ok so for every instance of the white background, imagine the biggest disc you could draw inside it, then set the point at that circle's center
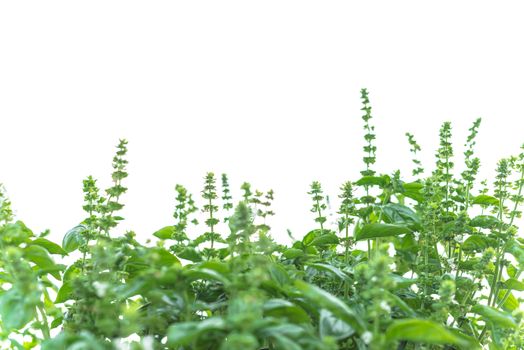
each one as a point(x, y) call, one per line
point(267, 91)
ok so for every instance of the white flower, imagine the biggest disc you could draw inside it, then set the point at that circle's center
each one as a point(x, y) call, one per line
point(384, 306)
point(100, 288)
point(435, 296)
point(366, 337)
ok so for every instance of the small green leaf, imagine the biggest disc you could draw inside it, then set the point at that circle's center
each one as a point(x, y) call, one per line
point(165, 233)
point(370, 231)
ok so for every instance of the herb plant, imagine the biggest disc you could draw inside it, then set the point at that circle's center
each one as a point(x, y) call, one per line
point(433, 262)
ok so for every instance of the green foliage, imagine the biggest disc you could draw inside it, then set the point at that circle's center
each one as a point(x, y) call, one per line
point(429, 263)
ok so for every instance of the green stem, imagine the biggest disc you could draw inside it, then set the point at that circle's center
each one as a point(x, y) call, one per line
point(45, 330)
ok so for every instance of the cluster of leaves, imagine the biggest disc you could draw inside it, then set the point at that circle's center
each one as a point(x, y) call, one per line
point(426, 263)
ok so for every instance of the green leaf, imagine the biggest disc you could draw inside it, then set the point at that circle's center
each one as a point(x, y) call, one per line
point(15, 233)
point(370, 231)
point(39, 256)
point(428, 332)
point(484, 199)
point(206, 274)
point(293, 253)
point(285, 309)
point(65, 292)
point(413, 190)
point(402, 282)
point(165, 233)
point(16, 309)
point(514, 284)
point(182, 333)
point(51, 247)
point(310, 236)
point(163, 257)
point(496, 317)
point(330, 326)
point(74, 238)
point(189, 253)
point(475, 243)
point(325, 239)
point(511, 303)
point(284, 343)
point(379, 181)
point(395, 213)
point(185, 333)
point(517, 250)
point(328, 301)
point(484, 221)
point(279, 275)
point(398, 302)
point(330, 269)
